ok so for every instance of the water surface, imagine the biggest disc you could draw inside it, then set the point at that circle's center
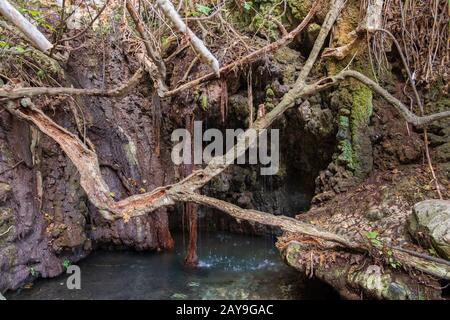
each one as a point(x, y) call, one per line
point(230, 267)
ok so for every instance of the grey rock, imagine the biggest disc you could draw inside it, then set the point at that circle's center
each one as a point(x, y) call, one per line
point(374, 214)
point(430, 225)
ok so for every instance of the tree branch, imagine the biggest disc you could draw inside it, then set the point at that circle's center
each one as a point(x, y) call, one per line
point(418, 121)
point(169, 11)
point(27, 28)
point(285, 40)
point(158, 76)
point(36, 91)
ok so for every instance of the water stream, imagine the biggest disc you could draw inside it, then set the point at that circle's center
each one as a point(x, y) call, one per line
point(230, 267)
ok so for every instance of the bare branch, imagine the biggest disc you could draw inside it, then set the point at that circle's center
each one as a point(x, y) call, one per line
point(285, 40)
point(171, 14)
point(36, 91)
point(28, 29)
point(157, 60)
point(418, 121)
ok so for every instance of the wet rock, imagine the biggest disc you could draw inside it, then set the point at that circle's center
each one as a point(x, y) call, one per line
point(429, 224)
point(179, 296)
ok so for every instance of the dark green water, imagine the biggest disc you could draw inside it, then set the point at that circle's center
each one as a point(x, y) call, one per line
point(231, 267)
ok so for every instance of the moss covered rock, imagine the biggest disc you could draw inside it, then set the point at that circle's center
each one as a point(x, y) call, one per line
point(430, 225)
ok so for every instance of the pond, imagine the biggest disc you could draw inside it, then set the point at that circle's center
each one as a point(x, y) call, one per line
point(230, 267)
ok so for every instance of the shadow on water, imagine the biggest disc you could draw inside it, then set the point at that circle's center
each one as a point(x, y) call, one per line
point(230, 267)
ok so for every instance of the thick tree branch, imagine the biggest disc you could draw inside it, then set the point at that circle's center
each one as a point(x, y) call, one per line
point(430, 265)
point(36, 91)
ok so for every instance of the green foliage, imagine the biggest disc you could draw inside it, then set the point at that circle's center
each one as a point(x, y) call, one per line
point(203, 9)
point(372, 235)
point(33, 272)
point(391, 260)
point(66, 263)
point(347, 154)
point(204, 102)
point(248, 5)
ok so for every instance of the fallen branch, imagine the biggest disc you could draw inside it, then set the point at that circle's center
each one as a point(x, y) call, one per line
point(36, 91)
point(169, 11)
point(267, 219)
point(26, 27)
point(98, 193)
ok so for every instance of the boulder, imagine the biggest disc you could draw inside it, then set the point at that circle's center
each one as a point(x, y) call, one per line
point(429, 224)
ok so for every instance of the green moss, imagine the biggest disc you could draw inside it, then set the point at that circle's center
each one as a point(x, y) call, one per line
point(204, 102)
point(361, 112)
point(344, 122)
point(299, 8)
point(346, 154)
point(354, 103)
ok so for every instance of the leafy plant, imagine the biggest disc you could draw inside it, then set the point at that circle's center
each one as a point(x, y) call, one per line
point(204, 102)
point(33, 272)
point(391, 260)
point(248, 5)
point(203, 9)
point(40, 74)
point(66, 263)
point(372, 236)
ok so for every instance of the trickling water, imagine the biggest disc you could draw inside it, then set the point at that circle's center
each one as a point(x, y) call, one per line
point(230, 267)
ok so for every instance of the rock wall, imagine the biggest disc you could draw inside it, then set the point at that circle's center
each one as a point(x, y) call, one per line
point(46, 220)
